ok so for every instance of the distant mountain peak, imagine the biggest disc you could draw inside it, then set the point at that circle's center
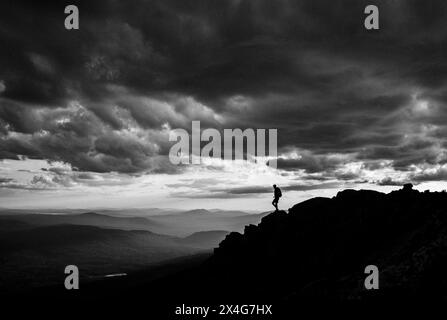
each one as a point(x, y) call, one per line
point(93, 214)
point(197, 211)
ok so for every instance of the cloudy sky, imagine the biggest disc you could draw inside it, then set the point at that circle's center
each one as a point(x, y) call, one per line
point(85, 115)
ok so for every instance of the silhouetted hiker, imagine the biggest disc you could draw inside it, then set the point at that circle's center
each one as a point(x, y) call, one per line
point(276, 195)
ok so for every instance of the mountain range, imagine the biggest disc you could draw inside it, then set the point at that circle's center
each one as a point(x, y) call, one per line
point(314, 255)
point(174, 223)
point(36, 247)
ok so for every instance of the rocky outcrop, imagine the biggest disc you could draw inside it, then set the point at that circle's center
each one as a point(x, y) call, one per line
point(322, 246)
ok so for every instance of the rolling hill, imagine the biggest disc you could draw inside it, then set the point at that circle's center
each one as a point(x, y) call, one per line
point(179, 224)
point(37, 256)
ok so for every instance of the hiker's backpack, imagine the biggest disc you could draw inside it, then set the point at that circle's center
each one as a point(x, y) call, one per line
point(279, 193)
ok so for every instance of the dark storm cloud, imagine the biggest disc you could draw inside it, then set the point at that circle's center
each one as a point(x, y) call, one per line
point(308, 68)
point(76, 136)
point(436, 175)
point(5, 180)
point(390, 182)
point(310, 163)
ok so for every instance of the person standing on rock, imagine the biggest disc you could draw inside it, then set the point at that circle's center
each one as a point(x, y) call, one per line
point(276, 195)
